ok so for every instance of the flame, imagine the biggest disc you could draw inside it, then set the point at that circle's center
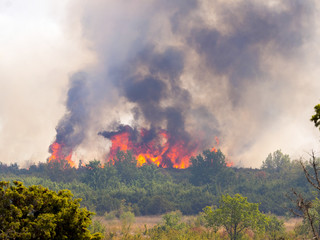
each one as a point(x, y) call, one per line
point(217, 140)
point(229, 164)
point(162, 149)
point(147, 146)
point(213, 149)
point(57, 154)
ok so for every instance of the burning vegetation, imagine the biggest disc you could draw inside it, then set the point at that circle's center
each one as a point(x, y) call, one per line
point(173, 84)
point(59, 155)
point(155, 146)
point(148, 146)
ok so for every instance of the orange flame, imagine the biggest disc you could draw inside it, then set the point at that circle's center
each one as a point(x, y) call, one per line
point(228, 163)
point(213, 149)
point(163, 150)
point(57, 155)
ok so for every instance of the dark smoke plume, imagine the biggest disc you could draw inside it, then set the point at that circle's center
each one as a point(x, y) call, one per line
point(195, 68)
point(71, 128)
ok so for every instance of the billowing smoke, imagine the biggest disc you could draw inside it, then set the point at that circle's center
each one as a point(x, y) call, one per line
point(71, 128)
point(196, 68)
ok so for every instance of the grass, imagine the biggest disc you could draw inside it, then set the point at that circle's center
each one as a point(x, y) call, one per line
point(291, 223)
point(142, 223)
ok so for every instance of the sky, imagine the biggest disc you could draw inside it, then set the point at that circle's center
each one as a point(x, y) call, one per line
point(242, 70)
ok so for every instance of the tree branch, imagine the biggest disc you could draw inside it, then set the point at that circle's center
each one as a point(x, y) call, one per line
point(308, 176)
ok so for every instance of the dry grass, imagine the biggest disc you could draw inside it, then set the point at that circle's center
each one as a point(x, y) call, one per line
point(292, 223)
point(143, 222)
point(140, 224)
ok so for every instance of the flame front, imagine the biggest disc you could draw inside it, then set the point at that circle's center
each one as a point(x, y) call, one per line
point(58, 155)
point(162, 149)
point(147, 146)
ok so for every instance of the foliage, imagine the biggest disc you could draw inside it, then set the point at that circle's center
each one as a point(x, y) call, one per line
point(149, 190)
point(172, 220)
point(127, 218)
point(276, 162)
point(306, 208)
point(38, 213)
point(275, 228)
point(315, 214)
point(206, 166)
point(235, 215)
point(97, 226)
point(311, 221)
point(316, 117)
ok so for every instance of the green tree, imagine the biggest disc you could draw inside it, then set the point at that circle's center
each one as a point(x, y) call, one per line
point(275, 228)
point(276, 161)
point(235, 214)
point(206, 166)
point(173, 219)
point(126, 166)
point(98, 176)
point(316, 117)
point(36, 212)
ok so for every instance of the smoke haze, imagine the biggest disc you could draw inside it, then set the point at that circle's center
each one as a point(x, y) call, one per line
point(244, 71)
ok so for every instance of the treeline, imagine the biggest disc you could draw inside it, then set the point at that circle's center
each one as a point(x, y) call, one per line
point(149, 190)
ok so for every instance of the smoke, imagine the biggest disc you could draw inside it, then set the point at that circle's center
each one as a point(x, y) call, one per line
point(241, 70)
point(71, 128)
point(36, 61)
point(198, 69)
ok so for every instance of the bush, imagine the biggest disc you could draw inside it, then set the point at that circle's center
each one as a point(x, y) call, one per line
point(36, 212)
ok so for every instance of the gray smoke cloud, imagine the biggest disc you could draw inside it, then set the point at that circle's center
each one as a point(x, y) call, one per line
point(200, 69)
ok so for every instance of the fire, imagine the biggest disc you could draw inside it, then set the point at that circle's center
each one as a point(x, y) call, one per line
point(213, 149)
point(217, 142)
point(159, 148)
point(229, 164)
point(58, 155)
point(154, 146)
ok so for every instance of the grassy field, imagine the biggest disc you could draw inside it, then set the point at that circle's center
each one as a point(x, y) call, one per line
point(292, 223)
point(147, 222)
point(140, 224)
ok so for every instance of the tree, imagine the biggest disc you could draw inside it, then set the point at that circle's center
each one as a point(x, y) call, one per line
point(36, 212)
point(276, 162)
point(275, 228)
point(98, 176)
point(235, 214)
point(306, 208)
point(316, 117)
point(206, 166)
point(126, 166)
point(172, 220)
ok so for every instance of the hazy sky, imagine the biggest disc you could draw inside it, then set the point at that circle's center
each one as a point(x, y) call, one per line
point(44, 42)
point(37, 57)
